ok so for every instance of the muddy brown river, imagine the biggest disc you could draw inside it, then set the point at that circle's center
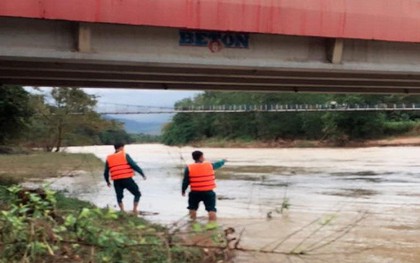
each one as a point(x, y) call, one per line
point(306, 205)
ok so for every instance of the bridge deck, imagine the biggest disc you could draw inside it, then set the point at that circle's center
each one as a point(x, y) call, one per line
point(301, 48)
point(395, 20)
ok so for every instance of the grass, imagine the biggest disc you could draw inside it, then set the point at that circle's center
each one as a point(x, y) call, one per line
point(136, 228)
point(15, 168)
point(76, 231)
point(151, 241)
point(65, 203)
point(73, 205)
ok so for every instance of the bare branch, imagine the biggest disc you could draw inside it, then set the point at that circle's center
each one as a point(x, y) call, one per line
point(341, 234)
point(289, 236)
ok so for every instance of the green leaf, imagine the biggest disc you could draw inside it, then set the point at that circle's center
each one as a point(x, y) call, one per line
point(70, 220)
point(197, 227)
point(211, 226)
point(85, 213)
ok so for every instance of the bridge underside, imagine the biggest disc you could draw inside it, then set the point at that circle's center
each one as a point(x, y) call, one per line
point(196, 78)
point(63, 53)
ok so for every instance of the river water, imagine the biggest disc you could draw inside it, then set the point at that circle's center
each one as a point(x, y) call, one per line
point(345, 205)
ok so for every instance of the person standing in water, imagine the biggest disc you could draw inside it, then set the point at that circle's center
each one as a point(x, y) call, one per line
point(122, 167)
point(200, 177)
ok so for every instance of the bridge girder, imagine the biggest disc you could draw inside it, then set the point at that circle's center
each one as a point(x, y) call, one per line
point(60, 53)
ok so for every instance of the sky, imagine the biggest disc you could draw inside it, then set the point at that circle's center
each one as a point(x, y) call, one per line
point(163, 98)
point(140, 97)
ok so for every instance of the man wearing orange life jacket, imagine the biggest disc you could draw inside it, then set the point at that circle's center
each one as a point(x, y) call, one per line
point(122, 167)
point(200, 177)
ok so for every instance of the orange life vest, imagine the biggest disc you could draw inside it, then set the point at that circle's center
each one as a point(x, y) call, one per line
point(118, 166)
point(201, 177)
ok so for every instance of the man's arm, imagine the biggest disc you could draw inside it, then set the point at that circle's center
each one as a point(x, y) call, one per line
point(185, 181)
point(219, 164)
point(106, 174)
point(135, 166)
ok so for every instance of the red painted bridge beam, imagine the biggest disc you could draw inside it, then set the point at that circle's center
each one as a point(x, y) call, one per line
point(388, 20)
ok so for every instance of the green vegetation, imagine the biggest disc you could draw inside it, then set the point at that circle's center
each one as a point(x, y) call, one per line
point(16, 168)
point(15, 111)
point(50, 121)
point(115, 134)
point(66, 117)
point(336, 127)
point(41, 226)
point(145, 138)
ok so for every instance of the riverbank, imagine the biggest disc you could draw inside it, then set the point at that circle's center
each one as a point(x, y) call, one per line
point(40, 225)
point(38, 166)
point(389, 142)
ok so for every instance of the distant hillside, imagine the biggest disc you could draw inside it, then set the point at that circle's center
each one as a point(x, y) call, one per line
point(142, 127)
point(146, 127)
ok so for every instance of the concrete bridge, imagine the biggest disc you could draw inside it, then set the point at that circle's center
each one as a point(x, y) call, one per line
point(292, 45)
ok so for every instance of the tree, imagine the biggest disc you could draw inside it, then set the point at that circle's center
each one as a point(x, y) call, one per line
point(68, 118)
point(68, 104)
point(40, 132)
point(115, 133)
point(341, 127)
point(15, 111)
point(181, 131)
point(338, 127)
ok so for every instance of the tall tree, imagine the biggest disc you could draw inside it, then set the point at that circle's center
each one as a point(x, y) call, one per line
point(67, 118)
point(15, 111)
point(68, 104)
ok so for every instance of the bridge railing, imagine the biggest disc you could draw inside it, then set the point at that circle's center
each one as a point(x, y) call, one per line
point(298, 107)
point(139, 109)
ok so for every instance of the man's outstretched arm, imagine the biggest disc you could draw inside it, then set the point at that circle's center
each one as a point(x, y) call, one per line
point(219, 164)
point(135, 167)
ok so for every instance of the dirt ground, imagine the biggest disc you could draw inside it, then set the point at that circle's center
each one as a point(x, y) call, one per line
point(408, 141)
point(400, 141)
point(358, 236)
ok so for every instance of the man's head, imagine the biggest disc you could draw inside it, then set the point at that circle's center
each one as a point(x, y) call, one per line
point(118, 146)
point(198, 156)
